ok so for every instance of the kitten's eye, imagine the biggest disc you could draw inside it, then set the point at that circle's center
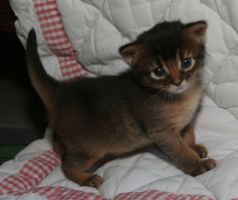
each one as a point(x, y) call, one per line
point(187, 63)
point(158, 73)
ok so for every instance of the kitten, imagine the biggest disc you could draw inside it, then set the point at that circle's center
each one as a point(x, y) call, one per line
point(154, 102)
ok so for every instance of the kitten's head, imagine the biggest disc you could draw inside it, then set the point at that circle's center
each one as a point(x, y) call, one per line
point(168, 56)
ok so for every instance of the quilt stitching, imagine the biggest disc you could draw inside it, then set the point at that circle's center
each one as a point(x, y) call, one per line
point(216, 11)
point(225, 56)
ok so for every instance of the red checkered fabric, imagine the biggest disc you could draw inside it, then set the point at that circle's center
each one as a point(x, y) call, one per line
point(56, 39)
point(158, 195)
point(31, 174)
point(37, 168)
point(56, 193)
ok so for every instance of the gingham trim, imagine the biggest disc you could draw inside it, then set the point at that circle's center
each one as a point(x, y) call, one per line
point(56, 39)
point(37, 168)
point(56, 193)
point(159, 195)
point(31, 174)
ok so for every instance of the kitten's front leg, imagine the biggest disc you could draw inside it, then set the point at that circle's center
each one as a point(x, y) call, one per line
point(189, 137)
point(185, 158)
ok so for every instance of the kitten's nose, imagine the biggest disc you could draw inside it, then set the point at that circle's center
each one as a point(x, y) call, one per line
point(177, 82)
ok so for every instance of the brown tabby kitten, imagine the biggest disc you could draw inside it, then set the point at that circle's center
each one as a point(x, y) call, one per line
point(154, 102)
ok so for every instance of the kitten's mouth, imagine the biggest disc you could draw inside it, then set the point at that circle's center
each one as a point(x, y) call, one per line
point(178, 89)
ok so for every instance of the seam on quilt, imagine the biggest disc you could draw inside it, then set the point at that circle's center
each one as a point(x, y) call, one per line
point(53, 30)
point(225, 57)
point(165, 16)
point(109, 11)
point(151, 13)
point(133, 14)
point(109, 20)
point(224, 82)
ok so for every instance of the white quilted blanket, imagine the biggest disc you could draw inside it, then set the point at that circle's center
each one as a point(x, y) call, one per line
point(72, 33)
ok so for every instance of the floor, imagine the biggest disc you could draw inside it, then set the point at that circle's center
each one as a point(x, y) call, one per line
point(22, 116)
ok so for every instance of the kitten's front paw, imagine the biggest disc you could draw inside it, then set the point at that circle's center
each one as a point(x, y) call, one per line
point(206, 165)
point(200, 150)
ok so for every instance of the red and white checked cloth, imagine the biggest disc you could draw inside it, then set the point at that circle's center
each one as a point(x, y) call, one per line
point(53, 31)
point(31, 174)
point(36, 169)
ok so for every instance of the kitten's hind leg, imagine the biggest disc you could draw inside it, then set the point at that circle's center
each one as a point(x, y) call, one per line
point(75, 167)
point(189, 137)
point(57, 147)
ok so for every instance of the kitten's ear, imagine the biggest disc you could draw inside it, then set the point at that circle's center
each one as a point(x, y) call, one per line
point(131, 52)
point(197, 30)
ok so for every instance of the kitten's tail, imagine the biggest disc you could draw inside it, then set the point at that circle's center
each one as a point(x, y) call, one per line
point(44, 85)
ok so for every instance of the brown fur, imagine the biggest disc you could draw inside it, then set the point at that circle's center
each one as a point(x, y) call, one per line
point(116, 115)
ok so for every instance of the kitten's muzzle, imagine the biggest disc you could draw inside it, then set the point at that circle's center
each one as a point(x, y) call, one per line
point(177, 82)
point(181, 87)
